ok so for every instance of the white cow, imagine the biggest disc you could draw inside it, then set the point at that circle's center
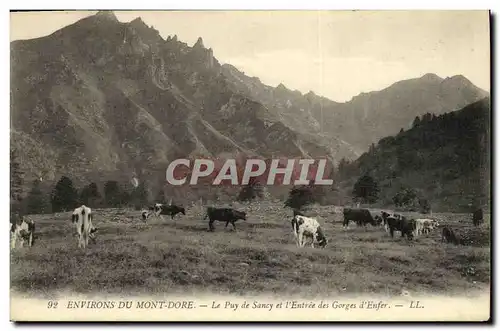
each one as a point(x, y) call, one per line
point(425, 225)
point(307, 227)
point(82, 217)
point(22, 229)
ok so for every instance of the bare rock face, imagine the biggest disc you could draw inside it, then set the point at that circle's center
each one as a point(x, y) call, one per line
point(101, 99)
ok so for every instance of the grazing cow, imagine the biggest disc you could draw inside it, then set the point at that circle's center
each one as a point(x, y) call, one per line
point(307, 227)
point(360, 216)
point(477, 217)
point(23, 228)
point(448, 235)
point(145, 214)
point(405, 226)
point(386, 215)
point(172, 210)
point(424, 226)
point(227, 215)
point(82, 217)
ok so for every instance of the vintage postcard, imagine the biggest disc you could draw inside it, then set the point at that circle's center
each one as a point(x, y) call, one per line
point(250, 166)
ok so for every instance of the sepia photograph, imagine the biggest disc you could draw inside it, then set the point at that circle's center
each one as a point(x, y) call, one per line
point(250, 165)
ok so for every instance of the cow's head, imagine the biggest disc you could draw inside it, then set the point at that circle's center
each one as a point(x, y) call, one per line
point(243, 215)
point(377, 220)
point(182, 210)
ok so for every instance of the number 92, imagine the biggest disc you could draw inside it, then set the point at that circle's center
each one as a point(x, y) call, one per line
point(52, 304)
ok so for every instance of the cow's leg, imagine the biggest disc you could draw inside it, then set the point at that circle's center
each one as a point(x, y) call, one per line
point(211, 225)
point(87, 235)
point(234, 225)
point(227, 222)
point(30, 241)
point(301, 239)
point(391, 231)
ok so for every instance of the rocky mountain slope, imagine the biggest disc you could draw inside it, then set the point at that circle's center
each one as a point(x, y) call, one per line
point(100, 99)
point(366, 118)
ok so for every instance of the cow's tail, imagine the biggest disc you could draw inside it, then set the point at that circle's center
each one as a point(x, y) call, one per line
point(205, 217)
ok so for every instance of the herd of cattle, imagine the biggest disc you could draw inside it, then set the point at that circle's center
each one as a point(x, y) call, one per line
point(304, 227)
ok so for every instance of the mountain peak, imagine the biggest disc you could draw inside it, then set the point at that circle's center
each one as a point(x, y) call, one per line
point(431, 77)
point(281, 86)
point(199, 43)
point(106, 14)
point(137, 21)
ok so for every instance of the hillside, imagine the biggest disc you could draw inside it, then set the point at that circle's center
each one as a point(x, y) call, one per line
point(366, 118)
point(446, 158)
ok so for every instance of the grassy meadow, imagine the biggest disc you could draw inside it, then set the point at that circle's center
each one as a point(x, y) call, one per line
point(131, 257)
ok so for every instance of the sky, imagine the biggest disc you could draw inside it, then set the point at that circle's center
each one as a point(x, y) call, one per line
point(337, 54)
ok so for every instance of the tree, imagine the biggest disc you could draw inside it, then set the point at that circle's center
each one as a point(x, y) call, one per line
point(64, 195)
point(416, 122)
point(425, 206)
point(112, 194)
point(36, 201)
point(90, 194)
point(406, 197)
point(140, 196)
point(343, 164)
point(251, 191)
point(299, 197)
point(160, 196)
point(366, 189)
point(16, 182)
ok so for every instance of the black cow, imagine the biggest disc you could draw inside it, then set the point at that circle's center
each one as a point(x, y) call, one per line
point(405, 226)
point(448, 235)
point(360, 216)
point(477, 217)
point(227, 215)
point(170, 210)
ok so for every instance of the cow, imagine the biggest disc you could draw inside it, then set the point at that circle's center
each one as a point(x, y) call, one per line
point(448, 235)
point(360, 216)
point(227, 215)
point(82, 218)
point(23, 228)
point(405, 226)
point(145, 214)
point(172, 210)
point(386, 215)
point(425, 225)
point(477, 217)
point(308, 227)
